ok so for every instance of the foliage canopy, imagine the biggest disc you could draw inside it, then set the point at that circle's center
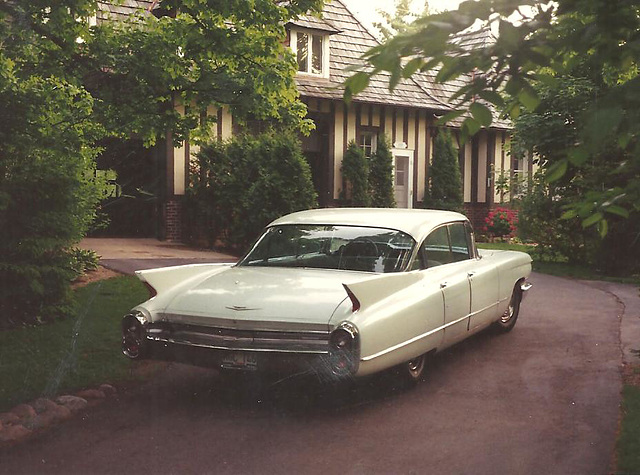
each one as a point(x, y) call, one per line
point(536, 42)
point(65, 84)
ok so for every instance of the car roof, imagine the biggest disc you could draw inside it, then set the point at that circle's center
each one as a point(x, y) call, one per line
point(415, 222)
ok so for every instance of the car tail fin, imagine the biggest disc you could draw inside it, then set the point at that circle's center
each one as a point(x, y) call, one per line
point(368, 292)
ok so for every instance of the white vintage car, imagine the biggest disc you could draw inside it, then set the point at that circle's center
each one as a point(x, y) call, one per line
point(338, 292)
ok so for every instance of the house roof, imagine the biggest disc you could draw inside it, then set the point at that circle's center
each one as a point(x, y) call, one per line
point(348, 44)
point(119, 11)
point(352, 40)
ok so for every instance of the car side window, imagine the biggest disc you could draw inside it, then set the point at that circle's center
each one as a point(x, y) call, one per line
point(459, 243)
point(435, 250)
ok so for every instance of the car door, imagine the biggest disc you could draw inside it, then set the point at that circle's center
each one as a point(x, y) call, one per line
point(483, 279)
point(436, 251)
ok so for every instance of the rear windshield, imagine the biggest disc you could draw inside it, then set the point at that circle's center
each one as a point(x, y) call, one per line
point(356, 248)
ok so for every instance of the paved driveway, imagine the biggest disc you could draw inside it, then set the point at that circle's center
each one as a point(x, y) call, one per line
point(542, 399)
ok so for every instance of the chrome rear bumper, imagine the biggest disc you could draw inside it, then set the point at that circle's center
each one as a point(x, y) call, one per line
point(218, 338)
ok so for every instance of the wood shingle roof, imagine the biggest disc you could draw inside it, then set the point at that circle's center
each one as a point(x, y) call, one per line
point(347, 46)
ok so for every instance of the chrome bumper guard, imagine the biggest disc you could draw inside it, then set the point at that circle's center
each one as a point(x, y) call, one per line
point(313, 343)
point(524, 287)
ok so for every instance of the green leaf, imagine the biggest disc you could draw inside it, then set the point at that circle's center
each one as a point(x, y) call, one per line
point(481, 113)
point(357, 83)
point(603, 227)
point(509, 34)
point(493, 97)
point(570, 214)
point(556, 171)
point(601, 123)
point(619, 210)
point(529, 99)
point(472, 126)
point(411, 67)
point(578, 156)
point(593, 219)
point(449, 116)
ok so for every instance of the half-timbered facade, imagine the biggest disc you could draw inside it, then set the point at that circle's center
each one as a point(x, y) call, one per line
point(325, 48)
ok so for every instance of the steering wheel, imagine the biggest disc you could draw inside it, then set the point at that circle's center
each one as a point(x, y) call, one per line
point(358, 253)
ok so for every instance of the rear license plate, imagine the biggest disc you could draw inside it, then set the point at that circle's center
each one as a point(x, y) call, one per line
point(238, 360)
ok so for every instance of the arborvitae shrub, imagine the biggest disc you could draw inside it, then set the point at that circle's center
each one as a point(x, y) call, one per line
point(381, 176)
point(355, 171)
point(443, 188)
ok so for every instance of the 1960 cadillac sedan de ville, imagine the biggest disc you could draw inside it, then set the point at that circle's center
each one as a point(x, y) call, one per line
point(339, 292)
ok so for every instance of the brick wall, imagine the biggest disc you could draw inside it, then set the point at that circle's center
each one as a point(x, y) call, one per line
point(172, 214)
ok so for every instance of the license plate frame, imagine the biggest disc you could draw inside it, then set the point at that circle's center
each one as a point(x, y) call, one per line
point(240, 360)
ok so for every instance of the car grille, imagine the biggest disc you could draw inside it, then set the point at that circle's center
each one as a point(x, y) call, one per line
point(312, 342)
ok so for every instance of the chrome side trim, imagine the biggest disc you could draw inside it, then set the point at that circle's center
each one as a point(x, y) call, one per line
point(424, 335)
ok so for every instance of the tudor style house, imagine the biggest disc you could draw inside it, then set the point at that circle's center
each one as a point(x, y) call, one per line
point(325, 47)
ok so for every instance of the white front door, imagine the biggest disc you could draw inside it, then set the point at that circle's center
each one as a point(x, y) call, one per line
point(403, 177)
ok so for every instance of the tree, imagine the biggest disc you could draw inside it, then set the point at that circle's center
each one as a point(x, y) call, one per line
point(65, 85)
point(443, 187)
point(355, 171)
point(552, 128)
point(400, 20)
point(381, 175)
point(536, 42)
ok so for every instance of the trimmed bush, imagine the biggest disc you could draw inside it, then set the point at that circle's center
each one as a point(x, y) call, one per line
point(355, 172)
point(47, 196)
point(238, 187)
point(443, 187)
point(381, 176)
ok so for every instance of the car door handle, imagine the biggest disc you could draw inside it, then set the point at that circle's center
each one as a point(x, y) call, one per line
point(443, 284)
point(471, 274)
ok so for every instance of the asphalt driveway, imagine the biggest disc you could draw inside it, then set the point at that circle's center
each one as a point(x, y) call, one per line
point(542, 399)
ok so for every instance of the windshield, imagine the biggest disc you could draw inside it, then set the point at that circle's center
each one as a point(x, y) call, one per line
point(332, 247)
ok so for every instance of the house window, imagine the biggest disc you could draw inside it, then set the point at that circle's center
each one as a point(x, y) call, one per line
point(311, 50)
point(368, 142)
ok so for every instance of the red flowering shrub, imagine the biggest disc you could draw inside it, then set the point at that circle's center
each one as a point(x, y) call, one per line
point(501, 222)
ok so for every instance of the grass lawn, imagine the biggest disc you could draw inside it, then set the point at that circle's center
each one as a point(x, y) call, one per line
point(559, 268)
point(70, 354)
point(628, 445)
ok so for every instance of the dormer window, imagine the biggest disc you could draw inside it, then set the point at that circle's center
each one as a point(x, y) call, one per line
point(311, 49)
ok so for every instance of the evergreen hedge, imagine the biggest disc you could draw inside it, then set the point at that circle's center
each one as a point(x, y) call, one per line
point(381, 176)
point(443, 187)
point(238, 187)
point(355, 171)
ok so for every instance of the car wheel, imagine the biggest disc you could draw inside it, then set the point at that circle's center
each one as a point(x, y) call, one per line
point(508, 319)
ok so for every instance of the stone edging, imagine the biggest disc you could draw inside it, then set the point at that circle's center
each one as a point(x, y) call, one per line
point(25, 420)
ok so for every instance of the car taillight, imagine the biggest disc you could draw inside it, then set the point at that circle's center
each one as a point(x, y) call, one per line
point(344, 350)
point(134, 335)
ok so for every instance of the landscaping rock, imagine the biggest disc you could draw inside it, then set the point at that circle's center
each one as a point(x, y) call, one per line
point(43, 405)
point(91, 394)
point(53, 414)
point(73, 403)
point(108, 390)
point(12, 433)
point(24, 411)
point(8, 418)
